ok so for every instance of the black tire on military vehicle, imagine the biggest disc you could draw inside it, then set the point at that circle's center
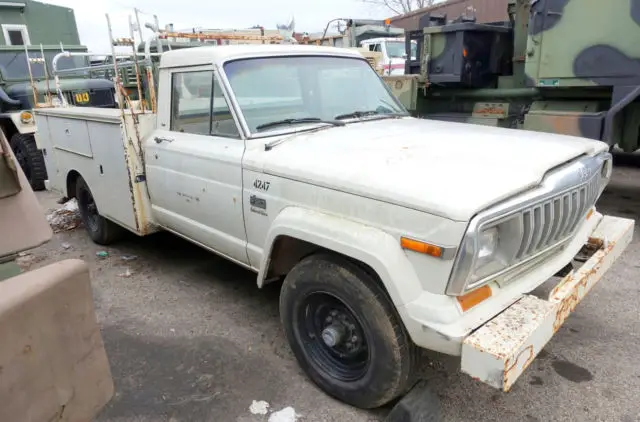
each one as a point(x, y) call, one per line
point(30, 159)
point(101, 230)
point(345, 333)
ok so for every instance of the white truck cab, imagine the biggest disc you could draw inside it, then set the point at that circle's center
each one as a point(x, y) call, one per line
point(389, 233)
point(393, 52)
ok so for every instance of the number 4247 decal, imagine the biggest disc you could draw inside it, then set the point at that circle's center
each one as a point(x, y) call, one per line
point(261, 185)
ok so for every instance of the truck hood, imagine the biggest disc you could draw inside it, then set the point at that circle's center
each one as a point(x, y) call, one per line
point(453, 170)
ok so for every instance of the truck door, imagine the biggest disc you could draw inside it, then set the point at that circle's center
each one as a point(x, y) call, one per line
point(193, 162)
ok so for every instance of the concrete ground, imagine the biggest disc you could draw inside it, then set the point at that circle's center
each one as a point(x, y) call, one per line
point(191, 338)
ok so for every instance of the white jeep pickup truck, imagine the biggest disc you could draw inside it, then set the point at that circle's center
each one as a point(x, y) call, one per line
point(389, 233)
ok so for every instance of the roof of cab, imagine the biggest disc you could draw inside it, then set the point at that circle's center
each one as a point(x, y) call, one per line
point(195, 56)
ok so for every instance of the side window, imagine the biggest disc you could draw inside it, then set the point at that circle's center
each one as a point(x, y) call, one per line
point(378, 47)
point(222, 123)
point(198, 106)
point(15, 34)
point(191, 102)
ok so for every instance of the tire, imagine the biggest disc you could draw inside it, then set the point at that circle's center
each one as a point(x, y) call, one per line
point(30, 159)
point(328, 298)
point(101, 230)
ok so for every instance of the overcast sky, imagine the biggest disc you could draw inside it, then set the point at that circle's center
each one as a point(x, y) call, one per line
point(310, 15)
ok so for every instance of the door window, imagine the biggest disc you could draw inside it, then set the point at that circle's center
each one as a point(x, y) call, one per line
point(198, 105)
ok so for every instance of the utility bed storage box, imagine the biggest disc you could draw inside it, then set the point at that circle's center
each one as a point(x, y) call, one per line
point(92, 142)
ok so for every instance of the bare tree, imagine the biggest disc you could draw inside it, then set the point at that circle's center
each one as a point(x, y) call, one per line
point(400, 7)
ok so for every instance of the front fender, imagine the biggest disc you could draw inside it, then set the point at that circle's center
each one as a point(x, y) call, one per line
point(367, 244)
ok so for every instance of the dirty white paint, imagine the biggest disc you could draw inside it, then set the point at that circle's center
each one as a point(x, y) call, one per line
point(288, 414)
point(259, 407)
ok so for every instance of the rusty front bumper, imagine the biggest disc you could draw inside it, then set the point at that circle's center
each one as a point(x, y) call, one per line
point(498, 352)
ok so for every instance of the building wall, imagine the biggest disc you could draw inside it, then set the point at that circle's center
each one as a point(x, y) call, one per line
point(46, 23)
point(486, 11)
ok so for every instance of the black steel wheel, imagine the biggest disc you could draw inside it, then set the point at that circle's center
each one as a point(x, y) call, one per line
point(30, 159)
point(333, 335)
point(345, 332)
point(101, 230)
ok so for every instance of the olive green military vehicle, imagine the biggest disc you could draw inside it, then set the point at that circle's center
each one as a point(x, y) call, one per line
point(564, 66)
point(18, 96)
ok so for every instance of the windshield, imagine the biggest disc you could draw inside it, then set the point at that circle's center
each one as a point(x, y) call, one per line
point(323, 87)
point(13, 64)
point(395, 49)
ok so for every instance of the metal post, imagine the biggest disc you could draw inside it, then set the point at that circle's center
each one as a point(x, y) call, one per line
point(46, 76)
point(115, 66)
point(158, 40)
point(136, 66)
point(33, 85)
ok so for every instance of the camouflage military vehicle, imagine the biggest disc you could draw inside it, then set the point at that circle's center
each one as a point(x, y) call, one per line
point(18, 96)
point(564, 66)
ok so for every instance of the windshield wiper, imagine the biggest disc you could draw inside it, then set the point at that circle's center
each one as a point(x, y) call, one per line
point(300, 120)
point(356, 114)
point(359, 114)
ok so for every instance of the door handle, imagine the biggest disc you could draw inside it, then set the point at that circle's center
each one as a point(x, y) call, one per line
point(160, 139)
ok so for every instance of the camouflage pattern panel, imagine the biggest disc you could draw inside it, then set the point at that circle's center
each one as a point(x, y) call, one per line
point(404, 88)
point(583, 43)
point(575, 118)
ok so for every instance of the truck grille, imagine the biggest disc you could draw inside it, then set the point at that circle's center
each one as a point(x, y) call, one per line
point(554, 220)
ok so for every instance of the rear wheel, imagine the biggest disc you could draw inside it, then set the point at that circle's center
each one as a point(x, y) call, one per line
point(30, 159)
point(101, 230)
point(345, 333)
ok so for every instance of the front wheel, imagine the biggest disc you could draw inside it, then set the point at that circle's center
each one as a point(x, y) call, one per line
point(345, 333)
point(101, 230)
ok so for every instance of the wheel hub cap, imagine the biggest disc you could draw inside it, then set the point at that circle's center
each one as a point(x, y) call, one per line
point(333, 335)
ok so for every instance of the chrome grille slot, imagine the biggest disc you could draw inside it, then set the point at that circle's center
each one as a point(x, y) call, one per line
point(538, 224)
point(552, 221)
point(547, 224)
point(527, 234)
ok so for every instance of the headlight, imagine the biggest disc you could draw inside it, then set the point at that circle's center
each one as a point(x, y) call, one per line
point(486, 251)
